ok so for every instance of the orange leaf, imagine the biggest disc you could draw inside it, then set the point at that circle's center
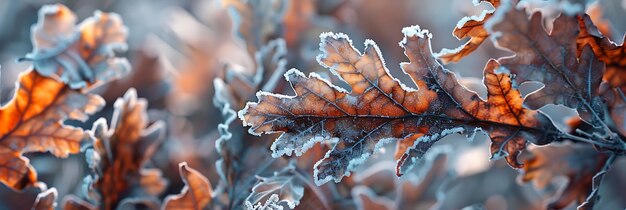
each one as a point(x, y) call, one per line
point(472, 27)
point(197, 193)
point(33, 122)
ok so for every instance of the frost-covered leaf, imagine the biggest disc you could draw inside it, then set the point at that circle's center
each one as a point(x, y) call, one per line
point(197, 193)
point(33, 122)
point(119, 153)
point(286, 184)
point(46, 200)
point(232, 92)
point(82, 54)
point(578, 162)
point(549, 58)
point(270, 204)
point(379, 109)
point(472, 27)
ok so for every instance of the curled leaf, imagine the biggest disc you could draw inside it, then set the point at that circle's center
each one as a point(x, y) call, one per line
point(33, 122)
point(197, 193)
point(379, 109)
point(472, 27)
point(79, 55)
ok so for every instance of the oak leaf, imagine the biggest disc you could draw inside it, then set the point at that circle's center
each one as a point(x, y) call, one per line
point(119, 153)
point(33, 122)
point(549, 58)
point(472, 27)
point(197, 193)
point(79, 55)
point(379, 109)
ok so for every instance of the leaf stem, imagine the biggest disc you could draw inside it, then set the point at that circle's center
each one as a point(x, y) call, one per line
point(611, 146)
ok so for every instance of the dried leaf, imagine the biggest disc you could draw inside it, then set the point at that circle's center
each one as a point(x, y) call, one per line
point(607, 51)
point(380, 109)
point(285, 184)
point(578, 162)
point(46, 200)
point(472, 27)
point(78, 55)
point(33, 122)
point(119, 153)
point(197, 193)
point(614, 56)
point(549, 58)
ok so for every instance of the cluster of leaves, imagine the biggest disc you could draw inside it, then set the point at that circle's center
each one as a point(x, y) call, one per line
point(569, 61)
point(338, 121)
point(69, 61)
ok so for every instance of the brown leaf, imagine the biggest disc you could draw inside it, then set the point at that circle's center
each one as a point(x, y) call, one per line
point(578, 162)
point(197, 193)
point(33, 122)
point(119, 153)
point(472, 27)
point(46, 200)
point(607, 51)
point(614, 56)
point(550, 58)
point(379, 109)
